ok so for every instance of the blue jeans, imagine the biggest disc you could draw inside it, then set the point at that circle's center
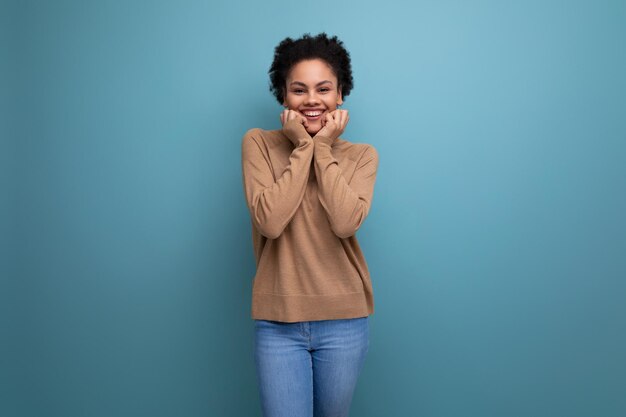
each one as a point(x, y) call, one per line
point(309, 368)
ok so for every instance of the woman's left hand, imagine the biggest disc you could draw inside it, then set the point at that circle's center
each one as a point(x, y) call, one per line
point(334, 124)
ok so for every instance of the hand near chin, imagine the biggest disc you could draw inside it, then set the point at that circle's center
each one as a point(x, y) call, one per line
point(294, 126)
point(333, 126)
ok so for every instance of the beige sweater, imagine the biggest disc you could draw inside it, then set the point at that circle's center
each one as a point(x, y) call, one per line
point(307, 197)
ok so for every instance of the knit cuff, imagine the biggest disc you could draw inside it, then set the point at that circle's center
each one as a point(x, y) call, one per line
point(323, 139)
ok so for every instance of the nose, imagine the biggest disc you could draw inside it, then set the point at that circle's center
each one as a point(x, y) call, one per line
point(311, 99)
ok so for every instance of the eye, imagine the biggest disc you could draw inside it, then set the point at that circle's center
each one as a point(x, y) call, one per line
point(298, 91)
point(325, 89)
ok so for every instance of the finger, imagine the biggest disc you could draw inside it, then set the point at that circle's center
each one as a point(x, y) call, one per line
point(300, 118)
point(345, 119)
point(339, 118)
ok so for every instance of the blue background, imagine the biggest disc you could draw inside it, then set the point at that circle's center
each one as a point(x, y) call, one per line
point(496, 240)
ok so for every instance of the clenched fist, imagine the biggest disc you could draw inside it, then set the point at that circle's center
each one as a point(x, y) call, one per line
point(333, 126)
point(294, 126)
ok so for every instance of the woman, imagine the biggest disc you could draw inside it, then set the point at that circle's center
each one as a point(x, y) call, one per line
point(308, 192)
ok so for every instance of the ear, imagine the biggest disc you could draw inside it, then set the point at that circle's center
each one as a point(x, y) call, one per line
point(339, 97)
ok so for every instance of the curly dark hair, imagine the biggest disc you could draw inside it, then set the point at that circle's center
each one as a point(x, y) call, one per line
point(290, 52)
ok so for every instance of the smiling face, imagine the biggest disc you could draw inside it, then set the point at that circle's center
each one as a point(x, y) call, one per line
point(312, 91)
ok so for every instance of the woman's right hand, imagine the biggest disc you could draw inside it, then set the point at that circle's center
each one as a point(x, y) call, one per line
point(294, 126)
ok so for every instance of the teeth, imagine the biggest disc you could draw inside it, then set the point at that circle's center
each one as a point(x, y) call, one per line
point(313, 113)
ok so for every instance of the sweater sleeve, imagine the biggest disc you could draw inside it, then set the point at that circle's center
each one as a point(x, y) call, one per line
point(346, 203)
point(273, 203)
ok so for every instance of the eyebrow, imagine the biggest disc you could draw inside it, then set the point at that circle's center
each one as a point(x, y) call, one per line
point(320, 83)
